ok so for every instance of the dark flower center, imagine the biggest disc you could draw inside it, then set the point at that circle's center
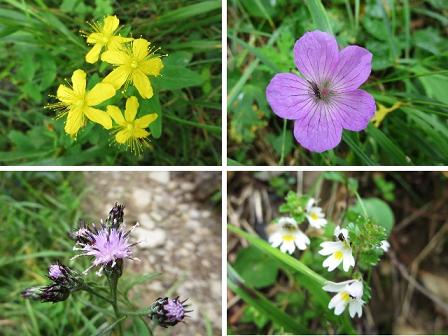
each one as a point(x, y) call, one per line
point(321, 92)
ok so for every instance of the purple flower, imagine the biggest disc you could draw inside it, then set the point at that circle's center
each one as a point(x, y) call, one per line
point(107, 245)
point(65, 276)
point(327, 99)
point(52, 293)
point(168, 312)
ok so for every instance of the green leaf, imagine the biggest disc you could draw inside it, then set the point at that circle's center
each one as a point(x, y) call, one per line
point(379, 211)
point(319, 15)
point(176, 77)
point(153, 106)
point(189, 12)
point(256, 268)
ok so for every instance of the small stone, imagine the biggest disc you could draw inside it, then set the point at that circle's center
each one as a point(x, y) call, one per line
point(149, 238)
point(141, 197)
point(161, 177)
point(145, 221)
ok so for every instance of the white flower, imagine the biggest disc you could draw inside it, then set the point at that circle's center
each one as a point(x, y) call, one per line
point(385, 245)
point(338, 252)
point(315, 215)
point(348, 293)
point(288, 236)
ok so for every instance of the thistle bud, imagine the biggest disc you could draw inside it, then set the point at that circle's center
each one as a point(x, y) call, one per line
point(53, 293)
point(168, 312)
point(116, 215)
point(63, 275)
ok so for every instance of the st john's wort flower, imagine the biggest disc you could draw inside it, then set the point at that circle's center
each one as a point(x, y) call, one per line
point(348, 293)
point(52, 293)
point(134, 65)
point(327, 99)
point(77, 103)
point(168, 312)
point(338, 252)
point(131, 131)
point(288, 236)
point(104, 36)
point(385, 245)
point(108, 246)
point(65, 276)
point(314, 214)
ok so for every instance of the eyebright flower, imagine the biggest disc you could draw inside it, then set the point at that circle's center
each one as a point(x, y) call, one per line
point(168, 312)
point(133, 65)
point(131, 131)
point(78, 103)
point(314, 214)
point(52, 293)
point(339, 251)
point(108, 246)
point(288, 235)
point(327, 99)
point(104, 36)
point(348, 293)
point(385, 245)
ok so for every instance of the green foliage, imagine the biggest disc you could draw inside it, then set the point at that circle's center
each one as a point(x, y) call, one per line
point(409, 67)
point(295, 206)
point(43, 46)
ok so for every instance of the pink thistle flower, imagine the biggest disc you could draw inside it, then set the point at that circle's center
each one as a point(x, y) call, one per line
point(107, 246)
point(327, 99)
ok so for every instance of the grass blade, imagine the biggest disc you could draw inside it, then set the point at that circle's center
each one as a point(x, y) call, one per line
point(319, 15)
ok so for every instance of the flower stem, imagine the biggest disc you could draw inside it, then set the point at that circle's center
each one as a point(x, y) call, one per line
point(113, 288)
point(91, 291)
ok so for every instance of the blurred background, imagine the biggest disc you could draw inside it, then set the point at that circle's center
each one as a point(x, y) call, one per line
point(41, 45)
point(180, 234)
point(409, 285)
point(409, 77)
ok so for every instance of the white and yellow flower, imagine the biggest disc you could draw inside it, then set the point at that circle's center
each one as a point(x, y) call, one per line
point(288, 236)
point(349, 293)
point(338, 252)
point(314, 214)
point(385, 245)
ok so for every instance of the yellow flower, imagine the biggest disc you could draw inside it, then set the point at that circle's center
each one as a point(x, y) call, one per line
point(104, 37)
point(134, 65)
point(131, 131)
point(77, 103)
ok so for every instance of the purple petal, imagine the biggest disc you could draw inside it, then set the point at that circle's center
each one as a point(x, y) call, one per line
point(353, 69)
point(354, 109)
point(288, 95)
point(316, 55)
point(319, 130)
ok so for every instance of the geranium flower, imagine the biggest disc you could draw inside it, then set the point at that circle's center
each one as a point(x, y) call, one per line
point(104, 36)
point(339, 251)
point(133, 65)
point(348, 293)
point(131, 131)
point(327, 99)
point(314, 214)
point(78, 103)
point(288, 235)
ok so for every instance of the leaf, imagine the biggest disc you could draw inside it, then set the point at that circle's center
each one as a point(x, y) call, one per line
point(264, 9)
point(175, 77)
point(319, 15)
point(153, 106)
point(257, 269)
point(187, 12)
point(379, 211)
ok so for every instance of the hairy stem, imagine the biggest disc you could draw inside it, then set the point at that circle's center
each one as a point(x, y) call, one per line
point(113, 281)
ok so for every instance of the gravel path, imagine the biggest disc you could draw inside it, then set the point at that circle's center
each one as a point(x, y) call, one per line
point(180, 234)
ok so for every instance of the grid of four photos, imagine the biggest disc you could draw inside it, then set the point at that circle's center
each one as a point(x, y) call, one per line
point(208, 167)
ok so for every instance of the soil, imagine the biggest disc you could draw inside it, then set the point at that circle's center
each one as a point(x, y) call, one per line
point(180, 236)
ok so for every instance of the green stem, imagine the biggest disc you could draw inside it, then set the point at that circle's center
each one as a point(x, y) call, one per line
point(282, 157)
point(91, 291)
point(113, 288)
point(210, 128)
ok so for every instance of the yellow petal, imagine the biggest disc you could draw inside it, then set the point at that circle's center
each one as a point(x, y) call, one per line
point(95, 38)
point(117, 77)
point(99, 93)
point(146, 120)
point(140, 133)
point(122, 136)
point(115, 57)
point(140, 48)
point(116, 42)
point(110, 24)
point(131, 108)
point(65, 94)
point(94, 53)
point(79, 82)
point(75, 120)
point(99, 117)
point(152, 66)
point(142, 84)
point(116, 115)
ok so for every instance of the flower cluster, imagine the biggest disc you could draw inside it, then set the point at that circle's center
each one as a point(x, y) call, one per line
point(368, 238)
point(108, 245)
point(135, 61)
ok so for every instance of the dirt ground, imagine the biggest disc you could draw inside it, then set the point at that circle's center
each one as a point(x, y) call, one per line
point(179, 234)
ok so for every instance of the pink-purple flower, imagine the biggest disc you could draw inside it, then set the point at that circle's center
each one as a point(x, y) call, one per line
point(326, 99)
